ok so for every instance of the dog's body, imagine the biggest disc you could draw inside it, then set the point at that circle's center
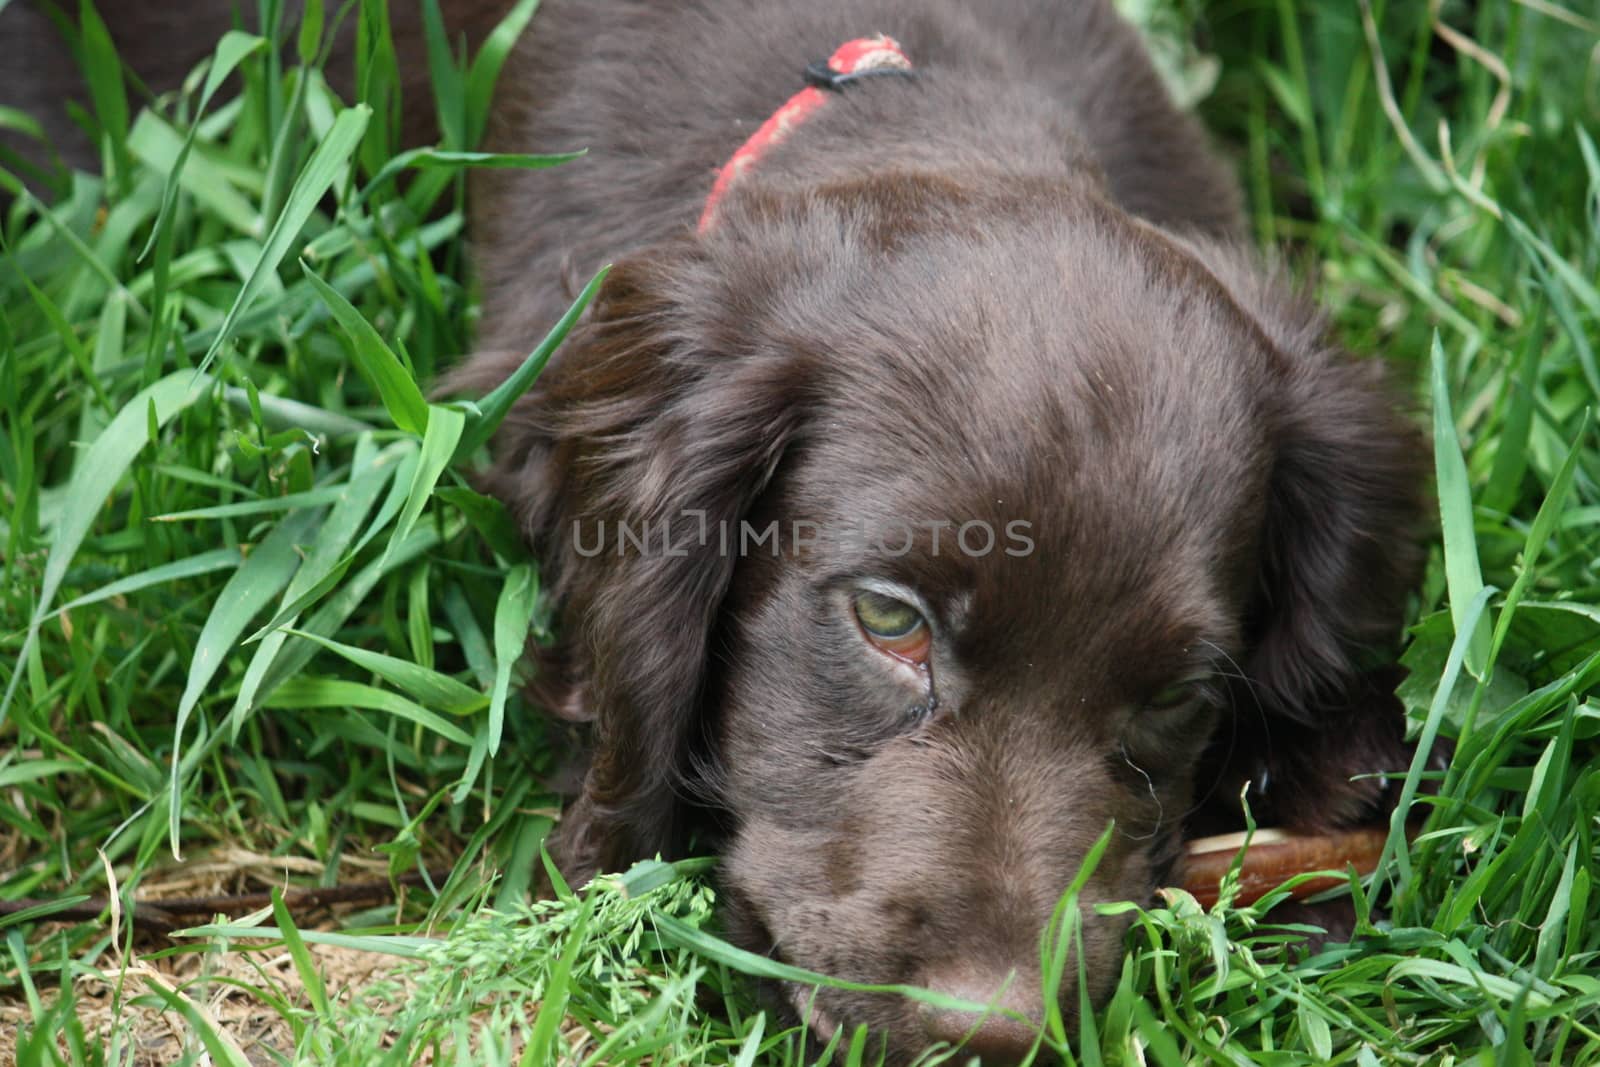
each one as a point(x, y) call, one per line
point(1011, 289)
point(662, 94)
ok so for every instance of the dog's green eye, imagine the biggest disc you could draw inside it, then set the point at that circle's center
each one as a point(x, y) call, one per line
point(1171, 696)
point(894, 626)
point(885, 617)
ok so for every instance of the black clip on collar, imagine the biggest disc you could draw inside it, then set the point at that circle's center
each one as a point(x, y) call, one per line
point(822, 76)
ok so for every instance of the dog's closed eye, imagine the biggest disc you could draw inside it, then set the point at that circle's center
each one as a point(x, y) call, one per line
point(1176, 695)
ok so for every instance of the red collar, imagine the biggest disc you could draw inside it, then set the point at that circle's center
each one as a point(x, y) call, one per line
point(853, 59)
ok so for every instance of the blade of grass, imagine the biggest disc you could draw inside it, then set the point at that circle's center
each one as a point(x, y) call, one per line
point(1463, 575)
point(309, 498)
point(512, 615)
point(335, 693)
point(309, 39)
point(553, 1006)
point(377, 363)
point(404, 454)
point(314, 181)
point(433, 158)
point(264, 572)
point(279, 413)
point(108, 346)
point(103, 70)
point(1395, 849)
point(449, 93)
point(493, 408)
point(434, 689)
point(675, 931)
point(1511, 453)
point(377, 80)
point(1544, 524)
point(402, 945)
point(310, 978)
point(343, 602)
point(438, 445)
point(288, 138)
point(325, 560)
point(234, 47)
point(218, 1043)
point(486, 65)
point(490, 518)
point(192, 567)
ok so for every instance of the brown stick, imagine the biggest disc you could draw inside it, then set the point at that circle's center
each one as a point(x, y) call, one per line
point(159, 918)
point(1275, 856)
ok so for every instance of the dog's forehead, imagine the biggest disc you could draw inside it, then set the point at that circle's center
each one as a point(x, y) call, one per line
point(1095, 379)
point(1075, 328)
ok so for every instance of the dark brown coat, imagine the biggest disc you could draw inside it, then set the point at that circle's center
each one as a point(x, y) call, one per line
point(1013, 288)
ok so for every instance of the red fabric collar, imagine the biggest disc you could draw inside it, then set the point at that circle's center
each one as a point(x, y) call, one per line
point(855, 57)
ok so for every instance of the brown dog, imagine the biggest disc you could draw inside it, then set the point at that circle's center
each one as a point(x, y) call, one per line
point(1005, 292)
point(960, 488)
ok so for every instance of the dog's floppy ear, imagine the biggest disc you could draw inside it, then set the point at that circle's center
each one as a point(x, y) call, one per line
point(653, 434)
point(1341, 549)
point(1340, 553)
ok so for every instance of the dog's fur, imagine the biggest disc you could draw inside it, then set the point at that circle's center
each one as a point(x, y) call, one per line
point(1013, 288)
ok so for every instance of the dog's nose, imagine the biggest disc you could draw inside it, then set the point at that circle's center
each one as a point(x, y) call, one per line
point(996, 1038)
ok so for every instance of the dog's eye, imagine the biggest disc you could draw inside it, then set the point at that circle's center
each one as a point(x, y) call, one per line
point(1172, 696)
point(894, 626)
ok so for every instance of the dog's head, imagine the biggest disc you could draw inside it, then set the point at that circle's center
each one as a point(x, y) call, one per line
point(904, 559)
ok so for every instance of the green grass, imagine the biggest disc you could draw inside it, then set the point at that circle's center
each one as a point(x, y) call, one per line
point(253, 614)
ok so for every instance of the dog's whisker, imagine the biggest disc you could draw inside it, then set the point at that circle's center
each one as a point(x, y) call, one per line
point(1151, 786)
